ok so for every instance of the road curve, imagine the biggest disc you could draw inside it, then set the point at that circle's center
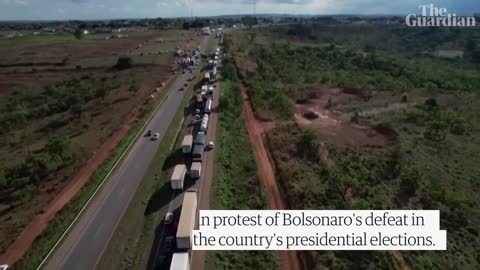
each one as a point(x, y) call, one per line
point(83, 247)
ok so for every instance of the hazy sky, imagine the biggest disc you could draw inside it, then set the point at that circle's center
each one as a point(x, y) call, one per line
point(106, 9)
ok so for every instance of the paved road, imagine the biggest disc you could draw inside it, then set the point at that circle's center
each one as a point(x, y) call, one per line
point(84, 246)
point(159, 259)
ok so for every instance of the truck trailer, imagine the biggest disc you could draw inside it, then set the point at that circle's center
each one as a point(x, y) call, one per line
point(196, 170)
point(207, 77)
point(187, 220)
point(204, 124)
point(180, 261)
point(178, 177)
point(187, 144)
point(208, 106)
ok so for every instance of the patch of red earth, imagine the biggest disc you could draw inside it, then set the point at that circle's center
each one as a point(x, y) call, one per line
point(40, 222)
point(266, 172)
point(334, 126)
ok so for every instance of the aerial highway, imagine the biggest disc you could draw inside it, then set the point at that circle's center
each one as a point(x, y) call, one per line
point(83, 247)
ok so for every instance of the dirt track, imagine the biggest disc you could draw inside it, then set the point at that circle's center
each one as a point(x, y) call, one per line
point(266, 173)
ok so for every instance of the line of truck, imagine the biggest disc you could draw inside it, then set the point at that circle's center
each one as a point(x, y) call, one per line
point(193, 147)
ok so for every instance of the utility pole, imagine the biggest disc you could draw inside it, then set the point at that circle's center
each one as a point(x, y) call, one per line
point(254, 8)
point(191, 10)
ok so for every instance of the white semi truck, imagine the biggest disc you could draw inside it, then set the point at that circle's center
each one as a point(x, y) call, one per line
point(180, 261)
point(178, 177)
point(187, 220)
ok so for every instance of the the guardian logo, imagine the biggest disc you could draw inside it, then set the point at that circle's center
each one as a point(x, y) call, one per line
point(432, 16)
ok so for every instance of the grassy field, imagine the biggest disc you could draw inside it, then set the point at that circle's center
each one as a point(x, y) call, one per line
point(235, 185)
point(55, 229)
point(54, 117)
point(365, 124)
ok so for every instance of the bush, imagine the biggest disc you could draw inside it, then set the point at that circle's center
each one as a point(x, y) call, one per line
point(124, 62)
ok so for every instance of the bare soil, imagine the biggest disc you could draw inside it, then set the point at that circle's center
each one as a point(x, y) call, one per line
point(336, 127)
point(266, 173)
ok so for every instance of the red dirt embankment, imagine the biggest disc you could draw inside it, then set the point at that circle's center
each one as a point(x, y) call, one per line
point(266, 173)
point(40, 222)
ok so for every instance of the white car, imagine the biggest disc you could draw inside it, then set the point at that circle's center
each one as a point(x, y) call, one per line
point(156, 136)
point(4, 267)
point(210, 145)
point(168, 218)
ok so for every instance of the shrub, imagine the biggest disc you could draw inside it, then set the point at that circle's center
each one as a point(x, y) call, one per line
point(124, 62)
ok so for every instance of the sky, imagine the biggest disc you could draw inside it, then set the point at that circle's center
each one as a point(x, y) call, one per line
point(114, 9)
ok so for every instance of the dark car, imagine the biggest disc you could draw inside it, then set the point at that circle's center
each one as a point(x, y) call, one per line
point(148, 134)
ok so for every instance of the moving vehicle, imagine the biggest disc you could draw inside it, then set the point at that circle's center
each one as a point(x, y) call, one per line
point(148, 134)
point(156, 136)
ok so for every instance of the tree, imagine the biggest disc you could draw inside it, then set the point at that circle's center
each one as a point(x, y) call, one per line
point(78, 33)
point(308, 144)
point(133, 89)
point(249, 21)
point(409, 180)
point(58, 147)
point(124, 62)
point(435, 131)
point(101, 92)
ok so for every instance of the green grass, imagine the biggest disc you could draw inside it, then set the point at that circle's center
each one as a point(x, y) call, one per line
point(47, 239)
point(422, 167)
point(235, 184)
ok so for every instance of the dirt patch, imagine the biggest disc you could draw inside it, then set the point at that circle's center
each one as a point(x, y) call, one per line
point(40, 222)
point(334, 126)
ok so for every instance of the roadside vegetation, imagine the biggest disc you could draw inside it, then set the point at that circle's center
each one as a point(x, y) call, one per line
point(235, 184)
point(370, 117)
point(56, 114)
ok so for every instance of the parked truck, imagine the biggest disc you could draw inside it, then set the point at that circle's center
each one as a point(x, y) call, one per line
point(180, 261)
point(187, 144)
point(208, 106)
point(204, 124)
point(196, 170)
point(178, 177)
point(204, 91)
point(207, 77)
point(187, 220)
point(214, 74)
point(199, 98)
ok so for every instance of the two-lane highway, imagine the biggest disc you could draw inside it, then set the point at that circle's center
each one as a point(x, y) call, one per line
point(83, 247)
